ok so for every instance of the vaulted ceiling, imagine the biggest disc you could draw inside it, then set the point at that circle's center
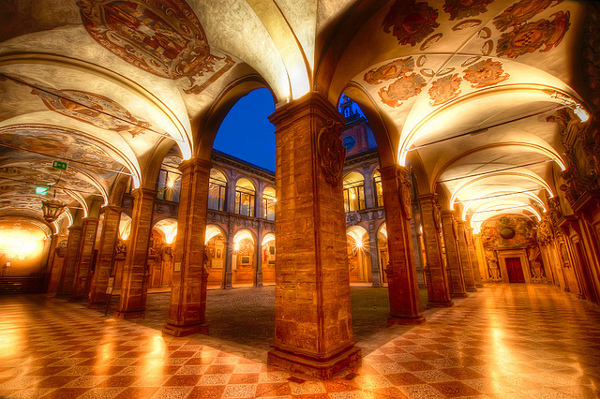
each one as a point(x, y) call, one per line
point(461, 90)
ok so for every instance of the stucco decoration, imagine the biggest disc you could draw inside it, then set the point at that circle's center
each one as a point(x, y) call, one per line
point(459, 9)
point(392, 70)
point(530, 37)
point(518, 13)
point(411, 22)
point(161, 37)
point(331, 151)
point(444, 89)
point(485, 73)
point(508, 231)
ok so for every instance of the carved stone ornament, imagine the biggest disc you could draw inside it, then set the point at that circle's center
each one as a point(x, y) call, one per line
point(331, 151)
point(405, 195)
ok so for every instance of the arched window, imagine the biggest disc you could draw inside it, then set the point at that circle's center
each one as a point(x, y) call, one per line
point(354, 192)
point(378, 188)
point(245, 195)
point(169, 185)
point(269, 201)
point(216, 190)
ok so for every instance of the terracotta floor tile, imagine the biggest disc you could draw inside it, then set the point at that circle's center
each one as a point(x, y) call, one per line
point(244, 378)
point(55, 381)
point(207, 392)
point(462, 373)
point(404, 379)
point(455, 389)
point(182, 380)
point(136, 393)
point(273, 389)
point(65, 393)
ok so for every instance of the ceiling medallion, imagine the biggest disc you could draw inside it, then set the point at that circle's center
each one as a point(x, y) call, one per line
point(459, 9)
point(411, 22)
point(161, 37)
point(402, 89)
point(444, 89)
point(485, 73)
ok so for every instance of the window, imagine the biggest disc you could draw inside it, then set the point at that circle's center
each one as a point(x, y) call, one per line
point(378, 188)
point(169, 185)
point(244, 197)
point(269, 201)
point(354, 192)
point(216, 190)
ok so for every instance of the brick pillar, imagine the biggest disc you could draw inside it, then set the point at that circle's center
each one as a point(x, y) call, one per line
point(132, 303)
point(405, 305)
point(455, 271)
point(313, 319)
point(465, 257)
point(473, 256)
point(438, 292)
point(67, 278)
point(106, 254)
point(84, 267)
point(187, 310)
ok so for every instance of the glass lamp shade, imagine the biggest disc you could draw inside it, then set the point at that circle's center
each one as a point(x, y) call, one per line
point(52, 209)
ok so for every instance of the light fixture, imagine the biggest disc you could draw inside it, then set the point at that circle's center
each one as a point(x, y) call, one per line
point(53, 208)
point(581, 113)
point(170, 184)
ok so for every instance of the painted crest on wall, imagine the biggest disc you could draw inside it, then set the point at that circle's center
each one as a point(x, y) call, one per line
point(331, 151)
point(533, 35)
point(459, 9)
point(411, 22)
point(485, 73)
point(444, 89)
point(402, 89)
point(517, 14)
point(392, 70)
point(162, 37)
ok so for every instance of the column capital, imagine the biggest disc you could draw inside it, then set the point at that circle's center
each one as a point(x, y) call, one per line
point(74, 227)
point(309, 104)
point(143, 192)
point(432, 197)
point(195, 163)
point(89, 219)
point(391, 171)
point(114, 208)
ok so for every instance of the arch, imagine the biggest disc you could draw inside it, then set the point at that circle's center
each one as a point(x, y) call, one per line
point(268, 238)
point(244, 258)
point(269, 250)
point(359, 259)
point(269, 199)
point(124, 226)
point(527, 176)
point(168, 227)
point(212, 230)
point(354, 191)
point(533, 197)
point(215, 249)
point(245, 196)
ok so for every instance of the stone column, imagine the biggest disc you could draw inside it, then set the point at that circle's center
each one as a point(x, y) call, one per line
point(67, 278)
point(313, 318)
point(405, 305)
point(258, 281)
point(48, 261)
point(455, 271)
point(473, 256)
point(132, 303)
point(376, 277)
point(229, 247)
point(86, 253)
point(106, 254)
point(438, 292)
point(187, 311)
point(465, 257)
point(369, 189)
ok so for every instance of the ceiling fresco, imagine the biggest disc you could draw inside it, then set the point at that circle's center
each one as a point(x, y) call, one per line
point(112, 86)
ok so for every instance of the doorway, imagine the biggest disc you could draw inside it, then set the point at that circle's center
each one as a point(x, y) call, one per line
point(514, 270)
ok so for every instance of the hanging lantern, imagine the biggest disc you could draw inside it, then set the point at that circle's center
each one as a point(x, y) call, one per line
point(52, 209)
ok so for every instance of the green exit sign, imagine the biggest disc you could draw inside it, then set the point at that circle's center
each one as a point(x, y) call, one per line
point(59, 165)
point(41, 190)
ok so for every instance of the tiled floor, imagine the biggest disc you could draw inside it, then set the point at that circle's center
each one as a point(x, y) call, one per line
point(506, 341)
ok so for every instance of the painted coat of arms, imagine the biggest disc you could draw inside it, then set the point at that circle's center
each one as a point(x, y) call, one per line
point(517, 14)
point(402, 89)
point(331, 151)
point(444, 89)
point(459, 9)
point(162, 37)
point(485, 73)
point(411, 22)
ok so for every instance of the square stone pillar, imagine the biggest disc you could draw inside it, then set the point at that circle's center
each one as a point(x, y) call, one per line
point(106, 255)
point(405, 305)
point(86, 253)
point(375, 274)
point(67, 277)
point(132, 303)
point(187, 311)
point(313, 319)
point(437, 279)
point(465, 257)
point(455, 272)
point(473, 256)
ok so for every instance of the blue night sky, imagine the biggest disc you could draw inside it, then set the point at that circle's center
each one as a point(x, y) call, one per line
point(246, 132)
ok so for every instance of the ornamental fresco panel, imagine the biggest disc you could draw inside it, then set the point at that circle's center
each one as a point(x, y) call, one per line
point(411, 22)
point(444, 89)
point(485, 73)
point(459, 9)
point(517, 14)
point(402, 89)
point(393, 70)
point(162, 37)
point(533, 35)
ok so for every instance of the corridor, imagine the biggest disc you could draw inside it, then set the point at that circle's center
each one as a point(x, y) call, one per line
point(505, 341)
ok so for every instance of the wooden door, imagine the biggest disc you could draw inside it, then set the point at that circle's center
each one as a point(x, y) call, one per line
point(514, 270)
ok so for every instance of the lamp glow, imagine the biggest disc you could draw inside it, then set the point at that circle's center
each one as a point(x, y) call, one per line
point(581, 113)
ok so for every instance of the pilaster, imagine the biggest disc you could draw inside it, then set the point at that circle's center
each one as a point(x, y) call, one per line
point(86, 253)
point(455, 271)
point(405, 305)
point(106, 254)
point(67, 278)
point(187, 310)
point(313, 318)
point(465, 257)
point(437, 280)
point(134, 285)
point(376, 276)
point(473, 256)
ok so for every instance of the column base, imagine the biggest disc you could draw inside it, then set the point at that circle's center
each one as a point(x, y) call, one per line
point(471, 289)
point(479, 285)
point(445, 304)
point(322, 368)
point(180, 331)
point(460, 295)
point(405, 320)
point(130, 314)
